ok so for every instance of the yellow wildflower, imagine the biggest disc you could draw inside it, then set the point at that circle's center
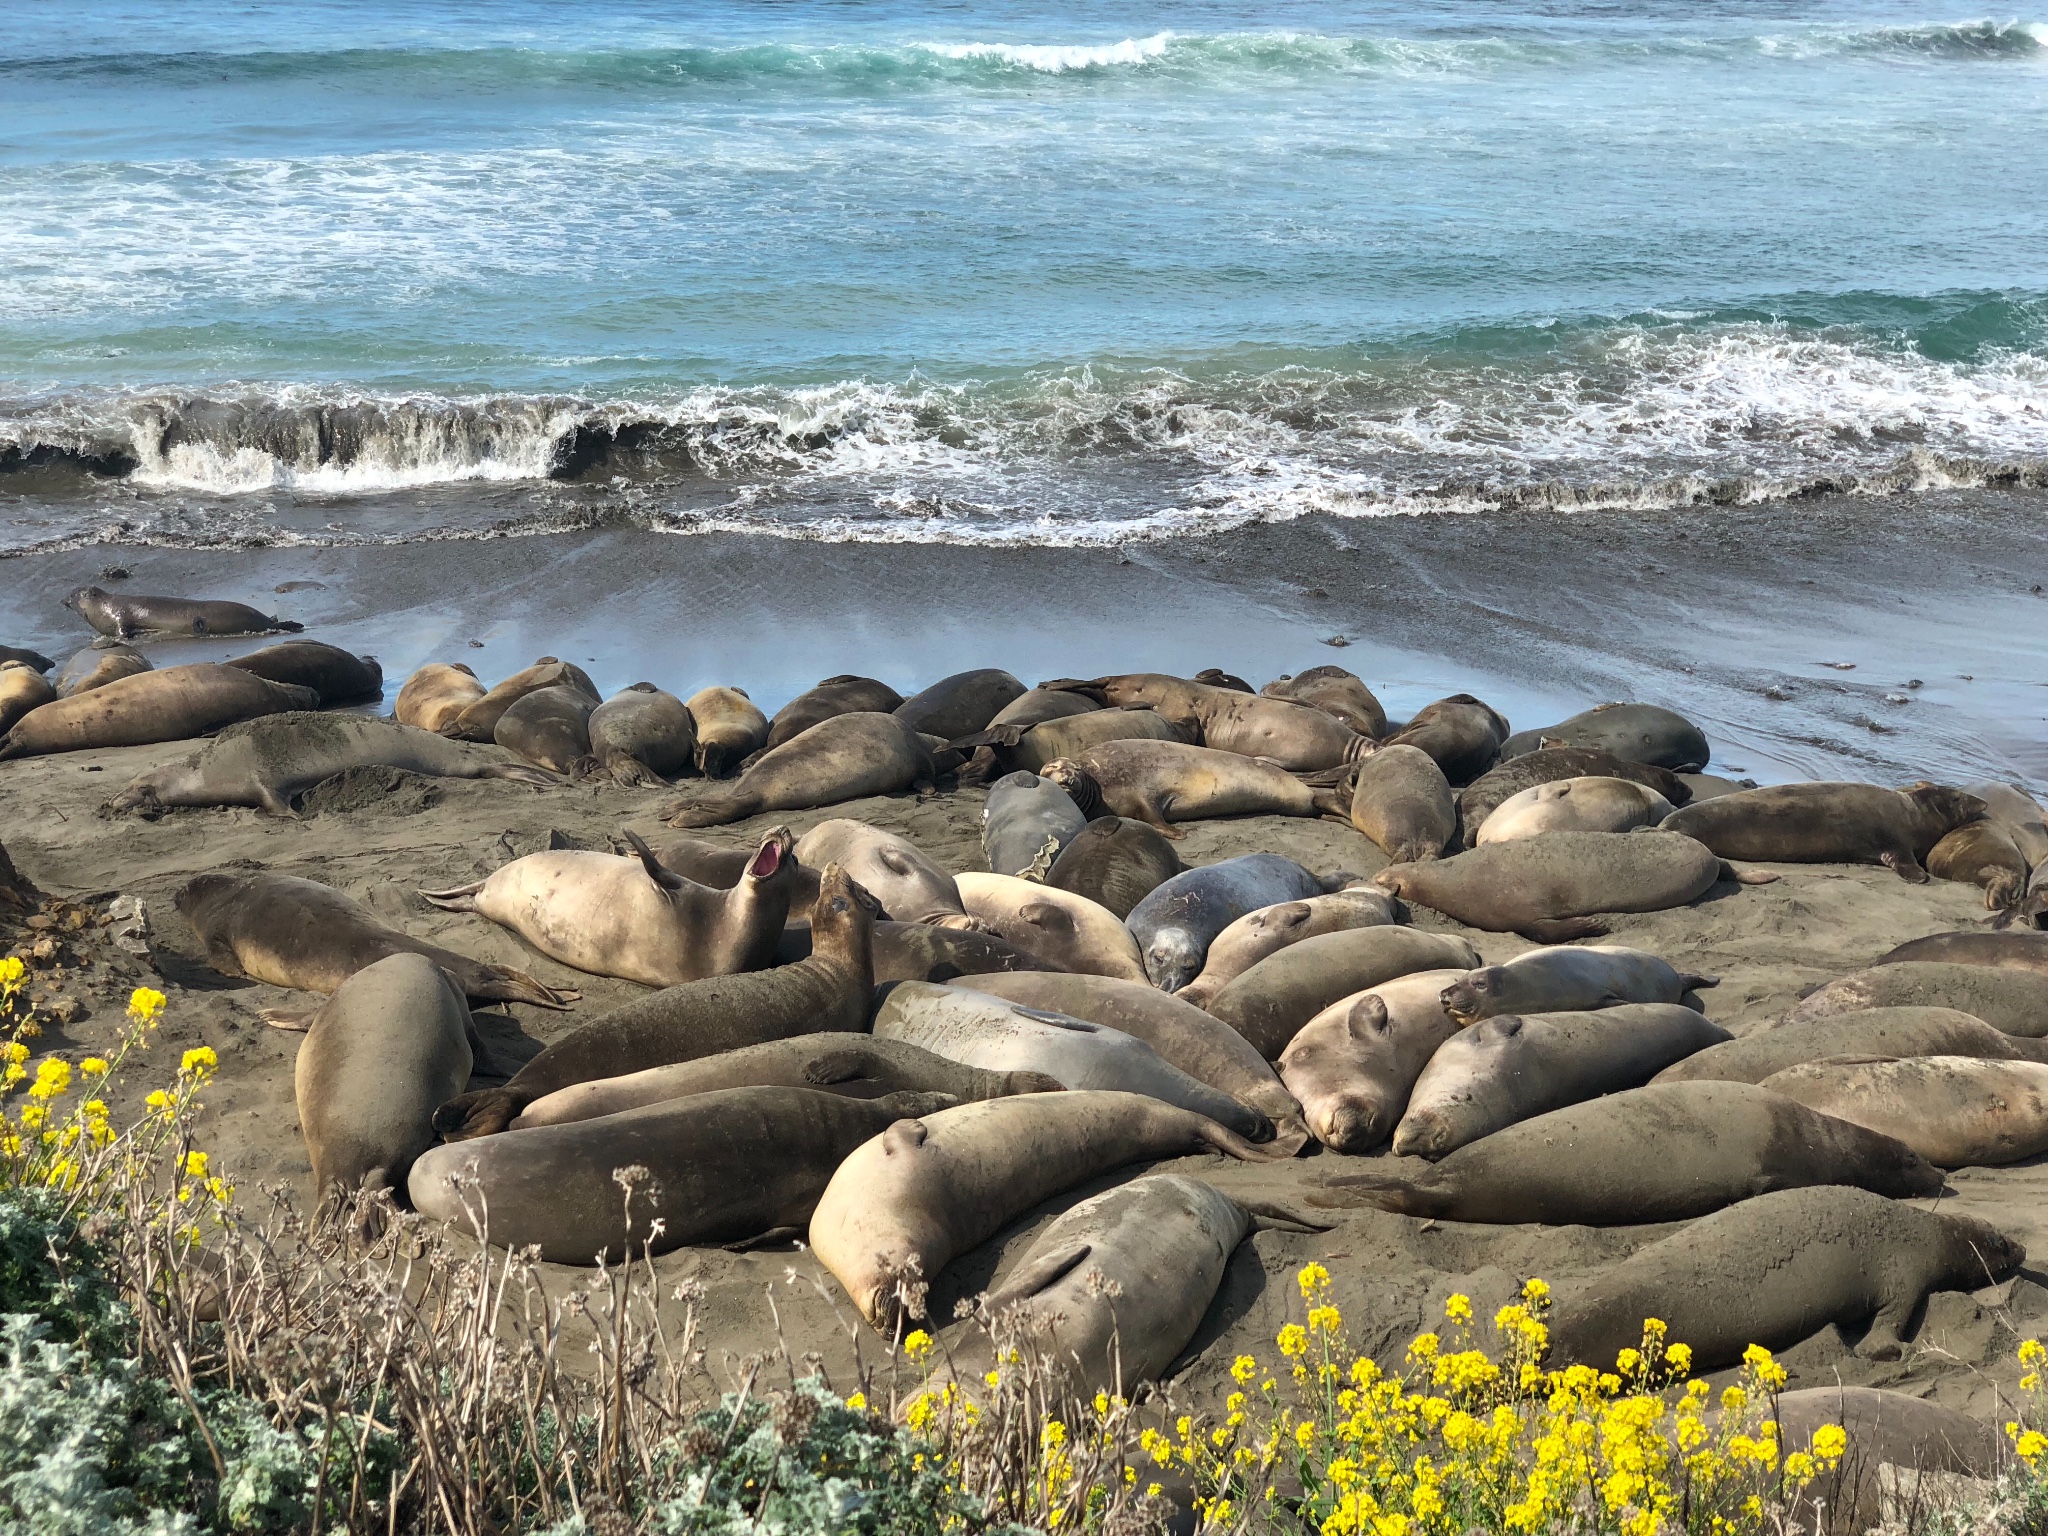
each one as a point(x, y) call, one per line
point(1243, 1368)
point(917, 1346)
point(52, 1078)
point(1313, 1278)
point(1459, 1309)
point(1293, 1341)
point(199, 1060)
point(94, 1066)
point(857, 1401)
point(145, 1004)
point(11, 972)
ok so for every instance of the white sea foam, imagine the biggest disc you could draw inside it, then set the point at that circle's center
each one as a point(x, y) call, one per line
point(1058, 58)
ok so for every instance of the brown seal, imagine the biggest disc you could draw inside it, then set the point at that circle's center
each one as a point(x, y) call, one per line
point(1401, 801)
point(842, 695)
point(959, 705)
point(639, 737)
point(436, 695)
point(1161, 782)
point(1982, 853)
point(845, 757)
point(1462, 733)
point(336, 675)
point(127, 614)
point(1549, 765)
point(1824, 823)
point(1335, 692)
point(173, 704)
point(22, 688)
point(730, 729)
point(478, 721)
point(2025, 949)
point(1297, 737)
point(549, 727)
point(1642, 733)
point(1114, 861)
point(102, 662)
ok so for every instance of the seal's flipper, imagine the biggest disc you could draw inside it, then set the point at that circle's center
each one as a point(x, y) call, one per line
point(1905, 866)
point(659, 873)
point(483, 1113)
point(523, 773)
point(848, 1064)
point(628, 772)
point(714, 811)
point(460, 898)
point(504, 984)
point(298, 1021)
point(1562, 930)
point(1382, 1191)
point(1747, 876)
point(1269, 1216)
point(1689, 981)
point(271, 803)
point(1036, 1274)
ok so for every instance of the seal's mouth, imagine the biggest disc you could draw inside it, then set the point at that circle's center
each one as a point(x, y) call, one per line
point(767, 861)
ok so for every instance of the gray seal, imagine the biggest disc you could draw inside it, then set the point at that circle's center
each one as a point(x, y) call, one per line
point(173, 704)
point(336, 675)
point(1567, 978)
point(1026, 824)
point(1270, 1003)
point(959, 705)
point(1462, 733)
point(126, 615)
point(1175, 924)
point(2023, 950)
point(1830, 824)
point(1268, 930)
point(1871, 1032)
point(2014, 1002)
point(1641, 733)
point(639, 737)
point(842, 695)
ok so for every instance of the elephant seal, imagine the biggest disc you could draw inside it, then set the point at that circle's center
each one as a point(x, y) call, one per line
point(336, 675)
point(1035, 706)
point(997, 1035)
point(920, 952)
point(959, 705)
point(1401, 800)
point(719, 1167)
point(1354, 1064)
point(640, 737)
point(1297, 737)
point(1268, 930)
point(1668, 1152)
point(1270, 1002)
point(1575, 805)
point(1161, 782)
point(549, 727)
point(858, 1066)
point(1026, 824)
point(842, 695)
point(910, 887)
point(1568, 978)
point(994, 747)
point(1199, 1044)
point(729, 727)
point(1461, 733)
point(1892, 1429)
point(265, 762)
point(1072, 932)
point(1955, 1111)
point(1548, 886)
point(22, 688)
point(1710, 786)
point(435, 696)
point(1514, 1067)
point(126, 615)
point(1830, 824)
point(2019, 814)
point(2014, 1002)
point(1029, 748)
point(828, 991)
point(1777, 1269)
point(905, 1204)
point(1872, 1032)
point(383, 1053)
point(1982, 853)
point(99, 664)
point(478, 720)
point(1115, 861)
point(1337, 693)
point(630, 917)
point(26, 657)
point(1175, 924)
point(836, 760)
point(721, 868)
point(172, 704)
point(2023, 950)
point(1550, 765)
point(1642, 733)
point(311, 938)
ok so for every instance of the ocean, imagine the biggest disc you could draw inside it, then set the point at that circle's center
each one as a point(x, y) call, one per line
point(1058, 274)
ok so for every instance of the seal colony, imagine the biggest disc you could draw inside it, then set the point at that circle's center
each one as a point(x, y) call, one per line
point(909, 1032)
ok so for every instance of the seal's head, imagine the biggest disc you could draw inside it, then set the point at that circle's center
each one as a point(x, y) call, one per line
point(78, 600)
point(1079, 784)
point(1333, 1071)
point(1466, 998)
point(1946, 806)
point(1172, 959)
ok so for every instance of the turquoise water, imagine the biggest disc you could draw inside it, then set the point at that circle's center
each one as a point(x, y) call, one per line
point(1066, 273)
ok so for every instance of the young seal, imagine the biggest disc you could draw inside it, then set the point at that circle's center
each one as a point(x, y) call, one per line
point(1161, 782)
point(1116, 862)
point(1072, 932)
point(1668, 1152)
point(721, 1167)
point(1955, 1111)
point(1176, 923)
point(1354, 1064)
point(843, 758)
point(2014, 1002)
point(549, 727)
point(997, 1035)
point(1778, 1269)
point(384, 1052)
point(1830, 824)
point(264, 763)
point(22, 688)
point(858, 1066)
point(910, 887)
point(436, 695)
point(173, 704)
point(1341, 695)
point(1269, 930)
point(1575, 805)
point(1026, 824)
point(1569, 978)
point(1982, 853)
point(1517, 1066)
point(1872, 1032)
point(126, 615)
point(1549, 765)
point(631, 918)
point(729, 727)
point(904, 1205)
point(1401, 800)
point(1461, 733)
point(309, 937)
point(1293, 736)
point(1271, 1001)
point(2017, 812)
point(2024, 950)
point(331, 672)
point(478, 720)
point(959, 705)
point(1642, 733)
point(842, 695)
point(101, 663)
point(828, 991)
point(639, 738)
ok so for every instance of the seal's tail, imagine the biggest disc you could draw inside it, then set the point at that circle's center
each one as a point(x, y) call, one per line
point(461, 898)
point(525, 773)
point(628, 772)
point(503, 984)
point(483, 1113)
point(1562, 930)
point(289, 626)
point(1381, 1191)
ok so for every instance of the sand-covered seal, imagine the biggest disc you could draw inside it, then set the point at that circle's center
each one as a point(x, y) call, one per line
point(910, 887)
point(1026, 823)
point(435, 696)
point(997, 1035)
point(1072, 932)
point(1461, 733)
point(478, 720)
point(1175, 923)
point(338, 676)
point(1401, 800)
point(1297, 737)
point(904, 1205)
point(729, 729)
point(846, 694)
point(22, 688)
point(1272, 1000)
point(1115, 861)
point(961, 704)
point(2022, 950)
point(1516, 1066)
point(640, 737)
point(1353, 1066)
point(1982, 853)
point(265, 762)
point(1575, 805)
point(1904, 1031)
point(1161, 782)
point(1642, 733)
point(1550, 765)
point(1955, 1111)
point(719, 1167)
point(99, 664)
point(856, 1065)
point(1668, 1152)
point(1340, 694)
point(828, 991)
point(1268, 930)
point(172, 704)
point(1568, 978)
point(1825, 823)
point(124, 615)
point(549, 727)
point(632, 918)
point(2014, 1002)
point(310, 937)
point(1777, 1269)
point(838, 759)
point(385, 1051)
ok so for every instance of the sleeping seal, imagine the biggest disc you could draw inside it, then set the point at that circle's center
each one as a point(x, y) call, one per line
point(331, 672)
point(1830, 824)
point(549, 727)
point(1072, 932)
point(910, 887)
point(1402, 802)
point(173, 704)
point(1007, 748)
point(1575, 805)
point(478, 720)
point(1026, 823)
point(1297, 737)
point(1161, 782)
point(842, 695)
point(959, 705)
point(1550, 765)
point(436, 695)
point(1114, 861)
point(729, 729)
point(1340, 694)
point(639, 737)
point(22, 688)
point(1955, 1111)
point(2023, 950)
point(842, 758)
point(1268, 930)
point(1872, 1032)
point(1567, 978)
point(1175, 924)
point(1270, 1002)
point(1461, 733)
point(128, 614)
point(99, 664)
point(1353, 1066)
point(1982, 853)
point(2014, 1002)
point(1642, 733)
